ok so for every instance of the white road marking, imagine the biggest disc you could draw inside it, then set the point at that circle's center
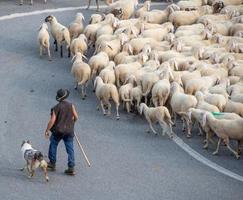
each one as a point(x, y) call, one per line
point(176, 139)
point(204, 160)
point(38, 12)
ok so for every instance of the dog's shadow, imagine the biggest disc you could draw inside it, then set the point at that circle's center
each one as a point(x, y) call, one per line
point(13, 173)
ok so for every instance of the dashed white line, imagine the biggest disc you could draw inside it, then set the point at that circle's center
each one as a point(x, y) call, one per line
point(176, 139)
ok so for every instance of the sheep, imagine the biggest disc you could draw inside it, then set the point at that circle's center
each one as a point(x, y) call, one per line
point(127, 7)
point(180, 103)
point(136, 96)
point(234, 107)
point(79, 45)
point(107, 28)
point(126, 51)
point(108, 74)
point(124, 91)
point(98, 62)
point(161, 89)
point(199, 84)
point(203, 105)
point(159, 114)
point(145, 7)
point(221, 88)
point(215, 99)
point(59, 32)
point(158, 34)
point(223, 129)
point(43, 40)
point(104, 92)
point(113, 47)
point(179, 18)
point(188, 5)
point(235, 28)
point(95, 18)
point(76, 27)
point(81, 72)
point(122, 71)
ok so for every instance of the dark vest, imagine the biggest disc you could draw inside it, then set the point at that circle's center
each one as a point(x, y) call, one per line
point(64, 124)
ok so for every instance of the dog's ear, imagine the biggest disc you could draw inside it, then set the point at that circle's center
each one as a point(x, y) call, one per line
point(28, 141)
point(23, 143)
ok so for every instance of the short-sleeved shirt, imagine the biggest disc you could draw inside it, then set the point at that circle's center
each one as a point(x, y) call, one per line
point(64, 124)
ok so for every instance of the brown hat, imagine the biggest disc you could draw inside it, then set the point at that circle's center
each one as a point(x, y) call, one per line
point(62, 94)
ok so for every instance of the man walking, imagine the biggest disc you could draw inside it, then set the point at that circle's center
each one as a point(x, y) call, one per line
point(61, 125)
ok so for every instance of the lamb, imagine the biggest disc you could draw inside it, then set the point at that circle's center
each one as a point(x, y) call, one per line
point(104, 92)
point(81, 72)
point(98, 62)
point(60, 33)
point(223, 129)
point(221, 88)
point(180, 103)
point(108, 74)
point(160, 92)
point(124, 91)
point(77, 26)
point(43, 40)
point(79, 45)
point(95, 18)
point(158, 114)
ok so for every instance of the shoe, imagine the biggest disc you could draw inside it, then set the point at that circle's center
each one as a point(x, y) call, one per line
point(70, 171)
point(51, 166)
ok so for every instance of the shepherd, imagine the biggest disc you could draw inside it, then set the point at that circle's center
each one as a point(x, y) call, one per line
point(61, 125)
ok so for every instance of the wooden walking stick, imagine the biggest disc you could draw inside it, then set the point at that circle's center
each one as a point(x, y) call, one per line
point(82, 150)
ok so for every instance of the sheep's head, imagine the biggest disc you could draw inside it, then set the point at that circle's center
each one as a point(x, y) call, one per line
point(49, 18)
point(218, 5)
point(80, 17)
point(43, 26)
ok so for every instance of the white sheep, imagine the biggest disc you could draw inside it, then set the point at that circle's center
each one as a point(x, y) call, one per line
point(234, 107)
point(124, 91)
point(79, 44)
point(43, 40)
point(223, 129)
point(203, 105)
point(159, 114)
point(136, 96)
point(108, 74)
point(145, 7)
point(215, 99)
point(81, 72)
point(60, 33)
point(98, 62)
point(95, 18)
point(180, 103)
point(105, 92)
point(76, 27)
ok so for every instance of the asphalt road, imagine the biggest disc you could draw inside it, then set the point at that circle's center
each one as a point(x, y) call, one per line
point(127, 163)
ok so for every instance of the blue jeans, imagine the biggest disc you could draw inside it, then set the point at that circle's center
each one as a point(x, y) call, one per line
point(68, 141)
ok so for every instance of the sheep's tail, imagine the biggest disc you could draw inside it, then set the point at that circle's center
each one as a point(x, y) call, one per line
point(114, 94)
point(125, 99)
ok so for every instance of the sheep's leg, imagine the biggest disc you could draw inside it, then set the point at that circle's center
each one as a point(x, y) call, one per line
point(183, 125)
point(69, 52)
point(41, 50)
point(56, 47)
point(174, 116)
point(163, 125)
point(128, 107)
point(151, 127)
point(109, 107)
point(238, 147)
point(49, 54)
point(102, 107)
point(188, 124)
point(217, 149)
point(85, 90)
point(76, 85)
point(206, 141)
point(97, 4)
point(82, 93)
point(61, 51)
point(233, 151)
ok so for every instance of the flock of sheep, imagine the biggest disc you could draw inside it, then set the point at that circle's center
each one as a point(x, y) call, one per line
point(186, 61)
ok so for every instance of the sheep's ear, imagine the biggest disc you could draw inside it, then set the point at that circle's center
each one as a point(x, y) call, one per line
point(109, 46)
point(73, 58)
